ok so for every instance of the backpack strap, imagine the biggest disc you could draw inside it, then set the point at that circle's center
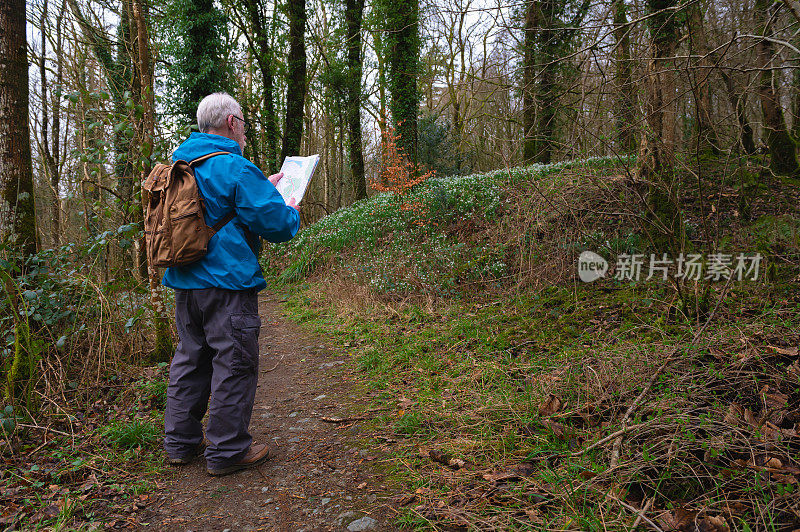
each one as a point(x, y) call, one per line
point(231, 215)
point(195, 162)
point(225, 219)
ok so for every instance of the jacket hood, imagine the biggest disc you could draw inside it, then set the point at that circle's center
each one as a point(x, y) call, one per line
point(199, 144)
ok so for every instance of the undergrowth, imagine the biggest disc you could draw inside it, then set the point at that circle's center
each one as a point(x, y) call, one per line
point(80, 417)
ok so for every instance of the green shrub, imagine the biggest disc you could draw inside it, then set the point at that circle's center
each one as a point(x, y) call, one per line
point(154, 391)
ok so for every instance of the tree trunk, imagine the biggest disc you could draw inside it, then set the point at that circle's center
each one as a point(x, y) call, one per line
point(163, 345)
point(118, 69)
point(701, 88)
point(50, 155)
point(17, 211)
point(657, 151)
point(143, 86)
point(354, 11)
point(625, 104)
point(201, 68)
point(340, 118)
point(402, 49)
point(739, 103)
point(296, 79)
point(55, 171)
point(547, 44)
point(380, 54)
point(528, 84)
point(262, 51)
point(783, 159)
point(546, 102)
point(548, 38)
point(124, 78)
point(796, 99)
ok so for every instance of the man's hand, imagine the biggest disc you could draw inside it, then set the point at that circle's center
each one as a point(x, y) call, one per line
point(293, 203)
point(274, 178)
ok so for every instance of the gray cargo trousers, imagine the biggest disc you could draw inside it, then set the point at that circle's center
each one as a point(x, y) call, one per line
point(216, 359)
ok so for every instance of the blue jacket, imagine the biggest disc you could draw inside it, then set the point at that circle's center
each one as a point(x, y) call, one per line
point(231, 182)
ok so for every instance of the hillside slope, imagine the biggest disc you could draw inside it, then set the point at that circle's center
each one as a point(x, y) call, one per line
point(513, 395)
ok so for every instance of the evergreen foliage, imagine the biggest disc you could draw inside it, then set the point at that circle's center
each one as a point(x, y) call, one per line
point(196, 47)
point(402, 50)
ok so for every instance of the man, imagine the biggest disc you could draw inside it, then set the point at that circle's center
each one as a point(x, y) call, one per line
point(216, 306)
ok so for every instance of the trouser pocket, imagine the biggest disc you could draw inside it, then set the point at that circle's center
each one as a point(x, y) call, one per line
point(245, 342)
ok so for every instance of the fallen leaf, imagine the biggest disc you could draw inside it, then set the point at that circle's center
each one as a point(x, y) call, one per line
point(550, 406)
point(497, 477)
point(534, 515)
point(770, 431)
point(677, 519)
point(559, 430)
point(405, 500)
point(783, 479)
point(750, 418)
point(519, 471)
point(773, 398)
point(525, 469)
point(734, 414)
point(735, 509)
point(457, 463)
point(362, 486)
point(49, 512)
point(713, 524)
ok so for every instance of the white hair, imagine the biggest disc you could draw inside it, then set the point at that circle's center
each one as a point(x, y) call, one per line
point(213, 111)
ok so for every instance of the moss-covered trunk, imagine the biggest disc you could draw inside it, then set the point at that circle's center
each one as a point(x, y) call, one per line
point(354, 12)
point(295, 79)
point(17, 209)
point(402, 49)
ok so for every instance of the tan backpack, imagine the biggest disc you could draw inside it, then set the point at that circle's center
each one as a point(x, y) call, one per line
point(174, 224)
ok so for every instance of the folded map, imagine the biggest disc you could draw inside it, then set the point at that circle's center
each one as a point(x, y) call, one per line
point(297, 172)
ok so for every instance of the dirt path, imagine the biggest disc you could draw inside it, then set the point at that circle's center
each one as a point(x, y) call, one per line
point(322, 477)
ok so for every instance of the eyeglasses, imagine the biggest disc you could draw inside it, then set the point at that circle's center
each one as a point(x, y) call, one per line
point(245, 122)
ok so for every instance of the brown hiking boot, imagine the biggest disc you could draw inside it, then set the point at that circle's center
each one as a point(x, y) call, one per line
point(256, 455)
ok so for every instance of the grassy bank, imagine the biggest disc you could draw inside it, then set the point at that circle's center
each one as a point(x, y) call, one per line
point(504, 381)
